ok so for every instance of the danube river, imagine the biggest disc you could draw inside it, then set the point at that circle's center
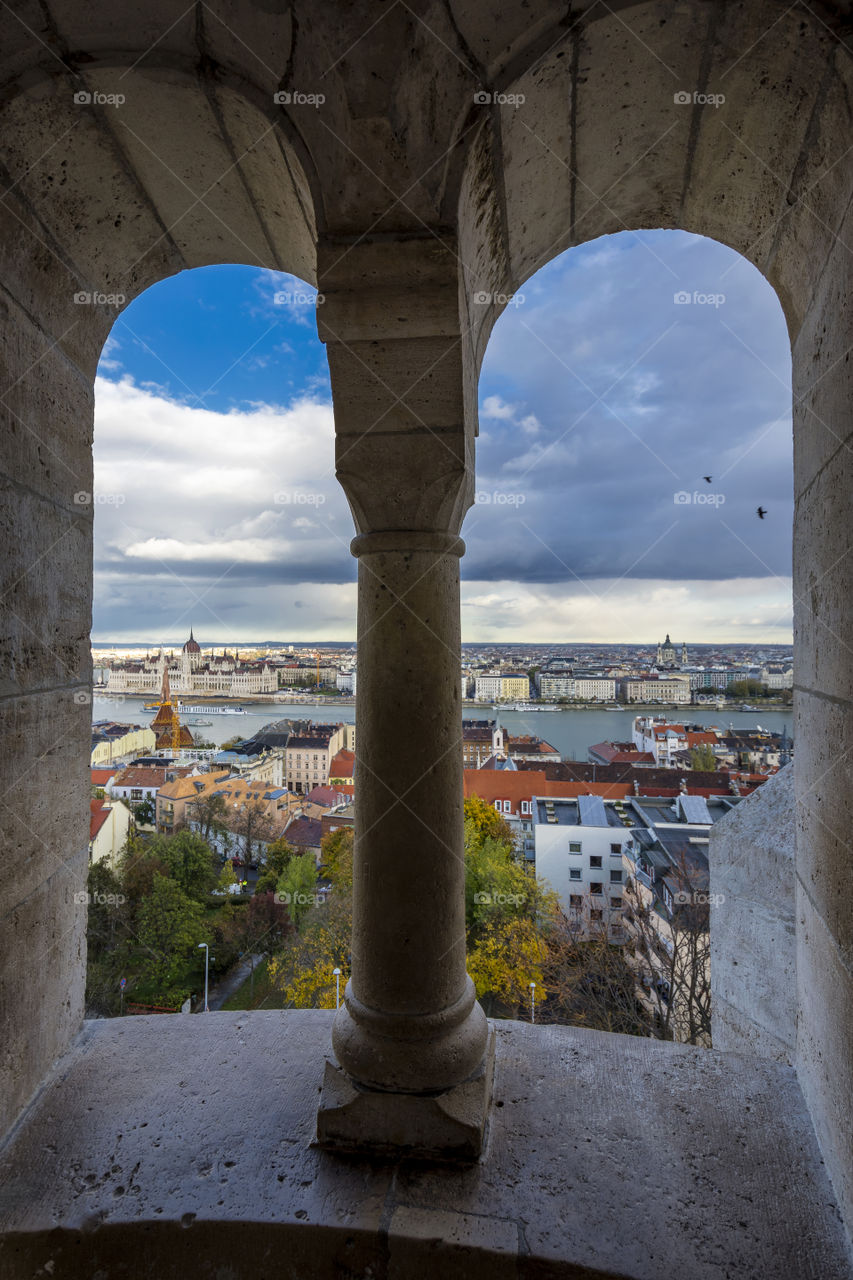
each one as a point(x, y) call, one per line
point(570, 731)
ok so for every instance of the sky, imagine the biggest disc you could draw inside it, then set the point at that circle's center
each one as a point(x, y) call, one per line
point(619, 376)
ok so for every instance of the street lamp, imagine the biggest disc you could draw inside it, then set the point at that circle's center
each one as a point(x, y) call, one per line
point(533, 1002)
point(337, 974)
point(206, 959)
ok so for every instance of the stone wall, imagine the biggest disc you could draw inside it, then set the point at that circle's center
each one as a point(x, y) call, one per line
point(753, 931)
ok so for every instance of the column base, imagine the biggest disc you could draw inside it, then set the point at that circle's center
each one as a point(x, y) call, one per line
point(445, 1126)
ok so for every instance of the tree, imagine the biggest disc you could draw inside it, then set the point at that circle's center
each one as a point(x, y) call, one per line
point(589, 980)
point(336, 853)
point(484, 820)
point(256, 929)
point(144, 813)
point(208, 812)
point(278, 856)
point(253, 825)
point(304, 971)
point(503, 962)
point(672, 953)
point(189, 861)
point(231, 743)
point(703, 758)
point(227, 877)
point(297, 888)
point(170, 927)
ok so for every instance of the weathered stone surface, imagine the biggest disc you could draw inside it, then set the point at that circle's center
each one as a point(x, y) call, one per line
point(753, 933)
point(177, 1146)
point(203, 166)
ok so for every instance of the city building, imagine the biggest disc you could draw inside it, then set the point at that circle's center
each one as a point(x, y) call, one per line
point(194, 672)
point(654, 688)
point(667, 656)
point(138, 783)
point(109, 826)
point(502, 687)
point(578, 849)
point(484, 738)
point(113, 742)
point(308, 755)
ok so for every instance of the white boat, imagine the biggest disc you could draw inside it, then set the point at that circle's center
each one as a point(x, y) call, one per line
point(207, 711)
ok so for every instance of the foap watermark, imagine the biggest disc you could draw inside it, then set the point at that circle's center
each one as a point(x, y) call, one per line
point(295, 98)
point(698, 498)
point(85, 899)
point(698, 898)
point(498, 498)
point(298, 299)
point(299, 899)
point(87, 98)
point(499, 899)
point(87, 298)
point(483, 98)
point(86, 499)
point(485, 299)
point(698, 299)
point(82, 697)
point(697, 99)
point(295, 498)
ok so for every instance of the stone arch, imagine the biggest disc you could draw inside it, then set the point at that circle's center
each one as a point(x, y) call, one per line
point(599, 146)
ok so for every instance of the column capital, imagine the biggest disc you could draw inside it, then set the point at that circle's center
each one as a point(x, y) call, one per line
point(407, 540)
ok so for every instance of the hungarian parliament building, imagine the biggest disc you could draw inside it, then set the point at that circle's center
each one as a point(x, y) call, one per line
point(193, 672)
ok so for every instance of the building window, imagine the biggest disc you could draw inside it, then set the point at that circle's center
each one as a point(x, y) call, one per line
point(595, 915)
point(574, 846)
point(616, 848)
point(525, 806)
point(595, 862)
point(575, 873)
point(615, 877)
point(507, 807)
point(596, 887)
point(575, 901)
point(616, 904)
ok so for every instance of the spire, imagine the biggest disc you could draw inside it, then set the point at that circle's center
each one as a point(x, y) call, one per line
point(165, 691)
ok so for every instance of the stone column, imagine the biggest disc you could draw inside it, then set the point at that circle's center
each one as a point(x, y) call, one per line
point(410, 1038)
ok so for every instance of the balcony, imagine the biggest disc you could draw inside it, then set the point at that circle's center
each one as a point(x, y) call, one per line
point(188, 1141)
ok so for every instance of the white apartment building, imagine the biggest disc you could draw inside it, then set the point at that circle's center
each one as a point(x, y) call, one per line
point(595, 688)
point(578, 849)
point(777, 676)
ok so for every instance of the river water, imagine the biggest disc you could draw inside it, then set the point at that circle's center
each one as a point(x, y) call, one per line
point(571, 731)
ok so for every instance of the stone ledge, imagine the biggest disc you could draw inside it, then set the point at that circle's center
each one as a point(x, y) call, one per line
point(176, 1148)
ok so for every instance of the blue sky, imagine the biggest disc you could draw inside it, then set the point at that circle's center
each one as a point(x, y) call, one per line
point(622, 374)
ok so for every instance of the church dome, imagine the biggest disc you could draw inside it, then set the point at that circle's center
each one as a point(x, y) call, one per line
point(192, 645)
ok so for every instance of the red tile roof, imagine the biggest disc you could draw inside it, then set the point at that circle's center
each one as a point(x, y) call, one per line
point(141, 776)
point(100, 777)
point(342, 764)
point(98, 815)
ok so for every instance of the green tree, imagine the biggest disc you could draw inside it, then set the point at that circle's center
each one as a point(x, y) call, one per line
point(170, 927)
point(144, 813)
point(189, 861)
point(297, 888)
point(336, 850)
point(278, 856)
point(484, 820)
point(226, 877)
point(703, 758)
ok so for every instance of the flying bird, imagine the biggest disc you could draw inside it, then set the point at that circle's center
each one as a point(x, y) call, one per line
point(708, 479)
point(761, 512)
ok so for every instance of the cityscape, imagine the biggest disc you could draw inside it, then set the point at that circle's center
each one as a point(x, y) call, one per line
point(425, 700)
point(240, 755)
